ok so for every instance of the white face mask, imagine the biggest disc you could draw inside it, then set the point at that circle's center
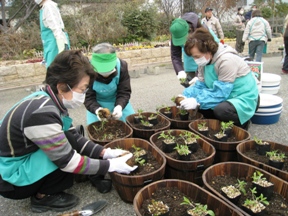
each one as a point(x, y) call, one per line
point(202, 61)
point(241, 11)
point(76, 101)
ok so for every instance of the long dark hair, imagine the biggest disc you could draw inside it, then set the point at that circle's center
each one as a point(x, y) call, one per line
point(68, 67)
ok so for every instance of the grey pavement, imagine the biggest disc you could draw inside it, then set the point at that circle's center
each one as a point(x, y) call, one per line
point(148, 92)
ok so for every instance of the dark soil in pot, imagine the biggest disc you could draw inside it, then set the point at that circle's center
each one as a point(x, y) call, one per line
point(276, 164)
point(278, 206)
point(262, 149)
point(157, 126)
point(149, 166)
point(199, 154)
point(263, 159)
point(173, 197)
point(211, 134)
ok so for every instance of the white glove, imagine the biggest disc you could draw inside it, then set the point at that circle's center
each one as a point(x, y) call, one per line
point(181, 96)
point(181, 75)
point(60, 45)
point(188, 103)
point(97, 113)
point(193, 81)
point(117, 112)
point(113, 153)
point(119, 164)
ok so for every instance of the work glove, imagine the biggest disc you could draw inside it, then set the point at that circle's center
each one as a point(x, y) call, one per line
point(188, 103)
point(117, 112)
point(60, 44)
point(269, 40)
point(222, 41)
point(181, 75)
point(193, 81)
point(113, 153)
point(97, 113)
point(119, 164)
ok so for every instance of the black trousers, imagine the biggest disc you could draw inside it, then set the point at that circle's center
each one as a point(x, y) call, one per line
point(225, 111)
point(285, 65)
point(55, 182)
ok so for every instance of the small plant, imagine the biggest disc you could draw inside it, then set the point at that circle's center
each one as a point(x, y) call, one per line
point(275, 156)
point(241, 186)
point(202, 126)
point(140, 161)
point(227, 125)
point(145, 123)
point(197, 208)
point(152, 115)
point(182, 112)
point(140, 111)
point(136, 148)
point(157, 208)
point(166, 136)
point(256, 204)
point(182, 80)
point(173, 99)
point(189, 137)
point(260, 180)
point(182, 149)
point(167, 109)
point(231, 191)
point(259, 141)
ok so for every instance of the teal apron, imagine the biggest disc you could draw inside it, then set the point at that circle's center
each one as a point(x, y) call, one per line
point(50, 49)
point(244, 95)
point(189, 63)
point(106, 97)
point(28, 169)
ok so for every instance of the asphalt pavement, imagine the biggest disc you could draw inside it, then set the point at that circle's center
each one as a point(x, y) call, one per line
point(149, 91)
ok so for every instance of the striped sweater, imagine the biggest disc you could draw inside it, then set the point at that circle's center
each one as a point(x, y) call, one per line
point(36, 123)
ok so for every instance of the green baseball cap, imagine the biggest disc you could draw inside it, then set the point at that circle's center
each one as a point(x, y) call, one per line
point(103, 62)
point(179, 30)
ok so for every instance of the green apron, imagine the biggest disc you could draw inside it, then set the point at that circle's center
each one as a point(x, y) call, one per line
point(106, 97)
point(50, 49)
point(244, 95)
point(28, 169)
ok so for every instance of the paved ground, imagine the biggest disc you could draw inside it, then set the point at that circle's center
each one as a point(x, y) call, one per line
point(148, 92)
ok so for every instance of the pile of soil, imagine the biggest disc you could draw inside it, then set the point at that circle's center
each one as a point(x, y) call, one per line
point(264, 159)
point(278, 206)
point(109, 132)
point(149, 166)
point(172, 197)
point(198, 155)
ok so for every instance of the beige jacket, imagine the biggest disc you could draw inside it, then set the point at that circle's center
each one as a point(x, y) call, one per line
point(240, 26)
point(214, 24)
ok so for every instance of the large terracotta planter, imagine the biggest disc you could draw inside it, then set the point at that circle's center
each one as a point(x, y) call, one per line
point(250, 145)
point(187, 170)
point(192, 190)
point(146, 133)
point(225, 151)
point(176, 122)
point(111, 123)
point(241, 170)
point(128, 185)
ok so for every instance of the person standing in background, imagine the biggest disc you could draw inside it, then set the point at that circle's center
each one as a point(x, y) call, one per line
point(258, 32)
point(213, 23)
point(239, 22)
point(53, 36)
point(285, 64)
point(248, 15)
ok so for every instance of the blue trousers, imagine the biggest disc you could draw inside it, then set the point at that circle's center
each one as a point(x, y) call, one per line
point(256, 47)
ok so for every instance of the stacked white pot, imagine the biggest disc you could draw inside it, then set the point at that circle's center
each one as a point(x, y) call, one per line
point(270, 83)
point(269, 110)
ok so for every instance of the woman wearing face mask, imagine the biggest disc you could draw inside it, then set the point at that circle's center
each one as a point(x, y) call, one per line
point(40, 149)
point(239, 23)
point(226, 89)
point(111, 88)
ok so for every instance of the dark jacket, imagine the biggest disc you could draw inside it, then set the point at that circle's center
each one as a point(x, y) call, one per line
point(176, 51)
point(248, 15)
point(123, 89)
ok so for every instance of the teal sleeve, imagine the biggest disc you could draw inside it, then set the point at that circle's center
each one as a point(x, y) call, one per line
point(214, 35)
point(209, 98)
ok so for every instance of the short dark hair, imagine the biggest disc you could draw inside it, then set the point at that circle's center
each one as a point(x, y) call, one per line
point(203, 40)
point(68, 67)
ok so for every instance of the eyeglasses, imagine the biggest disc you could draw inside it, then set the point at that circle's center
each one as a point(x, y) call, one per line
point(83, 92)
